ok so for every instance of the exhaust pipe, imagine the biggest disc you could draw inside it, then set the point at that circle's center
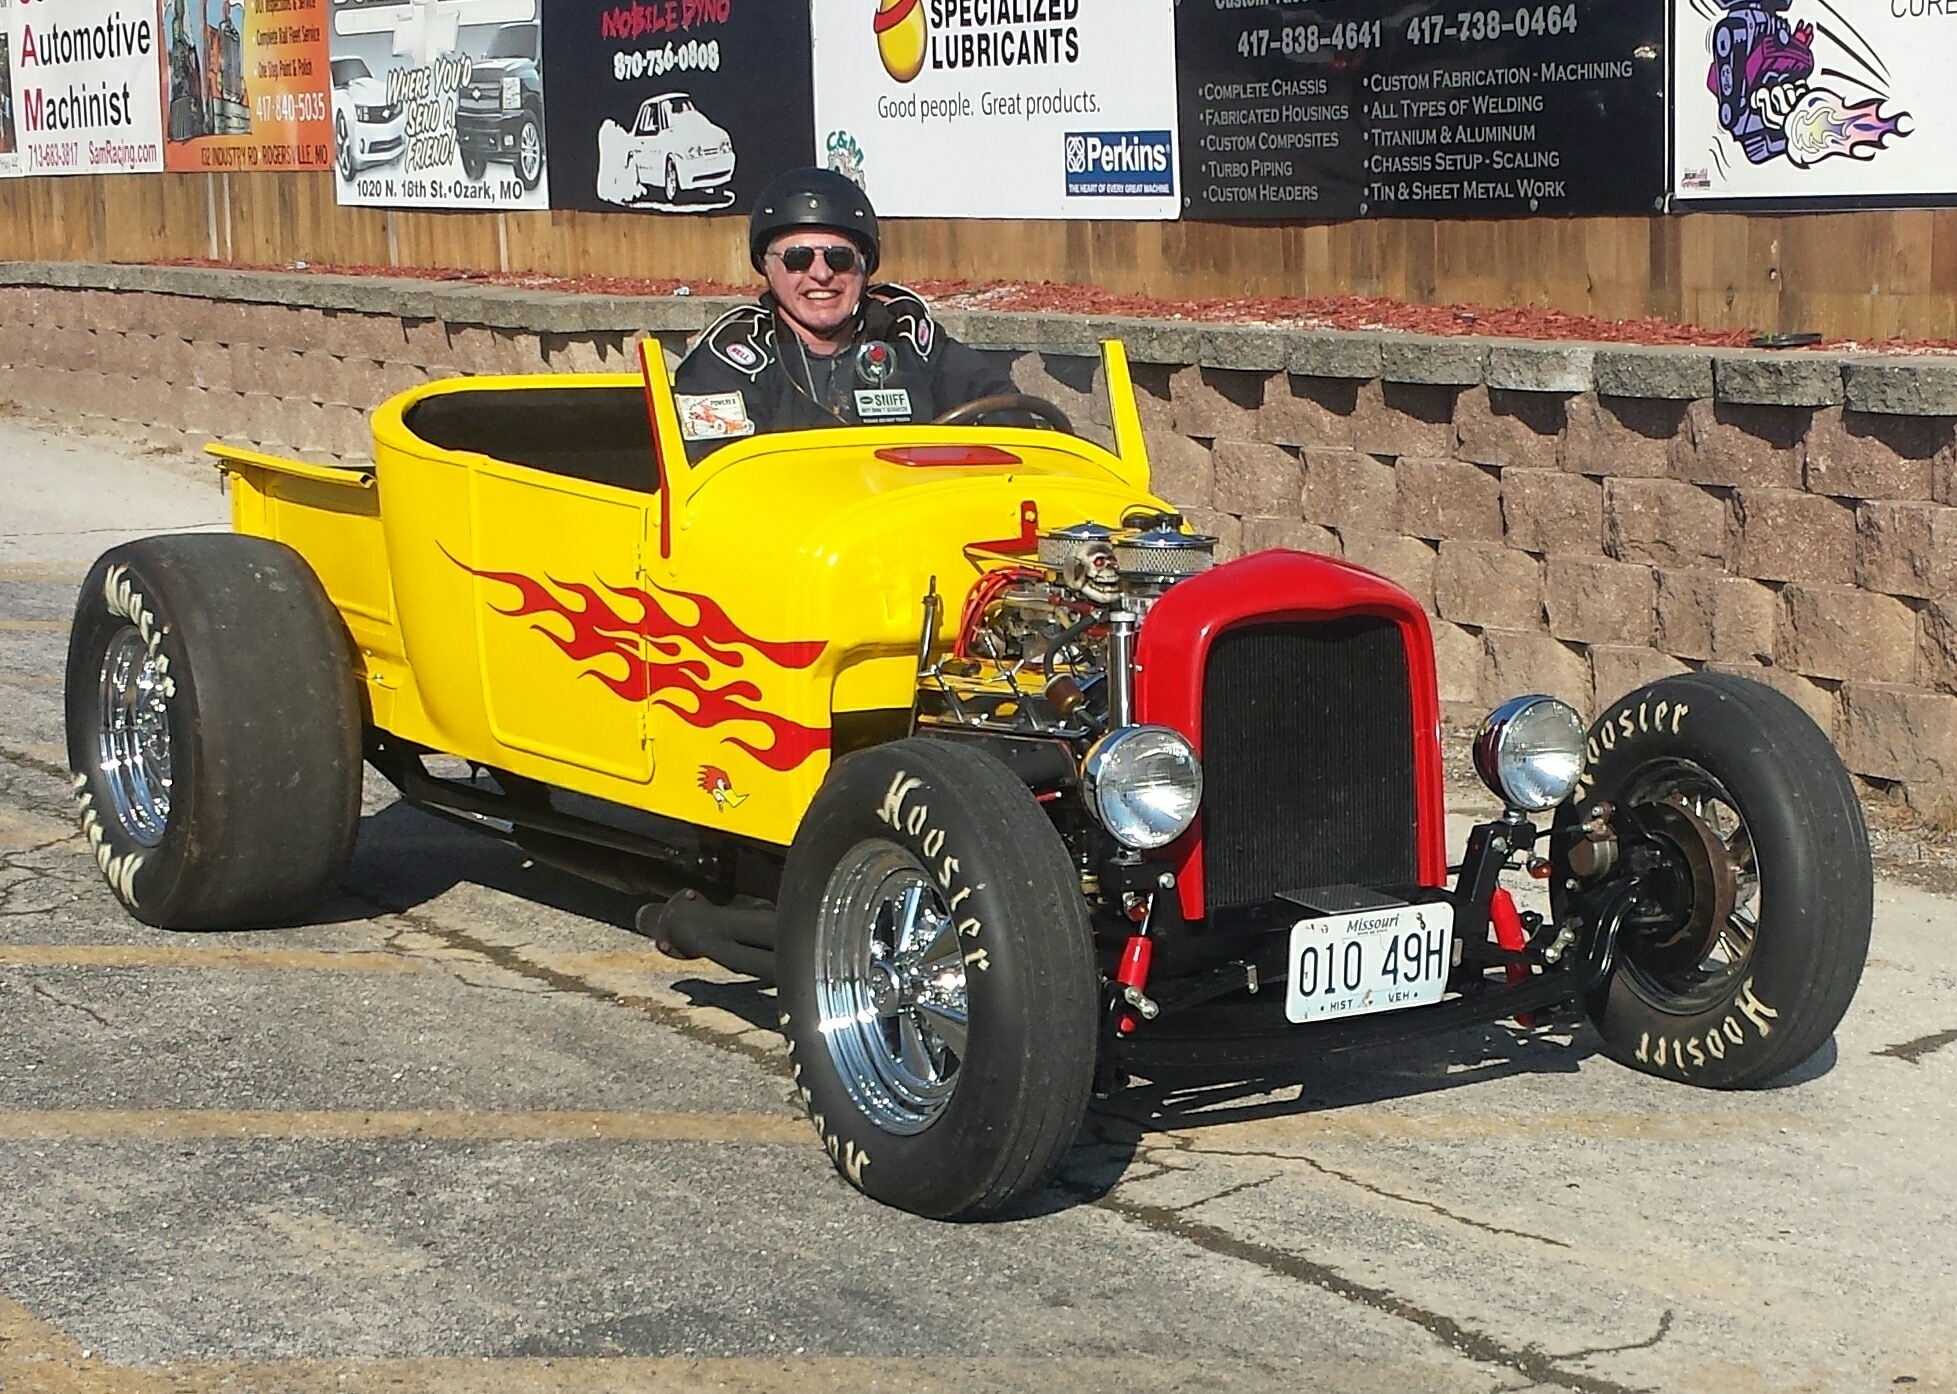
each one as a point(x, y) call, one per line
point(739, 937)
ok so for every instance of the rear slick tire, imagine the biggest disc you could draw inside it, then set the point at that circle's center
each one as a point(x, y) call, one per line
point(1754, 802)
point(213, 730)
point(937, 980)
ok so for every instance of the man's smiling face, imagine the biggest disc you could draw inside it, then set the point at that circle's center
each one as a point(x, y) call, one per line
point(821, 301)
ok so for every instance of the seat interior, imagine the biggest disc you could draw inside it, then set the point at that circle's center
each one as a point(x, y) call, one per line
point(599, 434)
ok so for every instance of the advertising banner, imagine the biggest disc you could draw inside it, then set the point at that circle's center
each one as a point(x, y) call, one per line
point(1814, 103)
point(1357, 108)
point(1001, 108)
point(439, 103)
point(10, 156)
point(245, 85)
point(80, 87)
point(676, 106)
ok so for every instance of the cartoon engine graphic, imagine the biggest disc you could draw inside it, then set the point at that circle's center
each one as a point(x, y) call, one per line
point(1761, 72)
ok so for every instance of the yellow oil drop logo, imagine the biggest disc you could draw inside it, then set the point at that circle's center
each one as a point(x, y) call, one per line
point(901, 34)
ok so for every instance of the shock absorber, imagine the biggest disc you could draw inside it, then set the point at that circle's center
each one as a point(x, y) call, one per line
point(1131, 975)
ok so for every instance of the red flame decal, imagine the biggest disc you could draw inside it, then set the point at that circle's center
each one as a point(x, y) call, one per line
point(670, 677)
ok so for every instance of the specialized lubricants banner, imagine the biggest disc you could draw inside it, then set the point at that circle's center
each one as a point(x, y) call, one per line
point(245, 85)
point(1001, 108)
point(676, 106)
point(439, 103)
point(1814, 102)
point(79, 87)
point(1300, 109)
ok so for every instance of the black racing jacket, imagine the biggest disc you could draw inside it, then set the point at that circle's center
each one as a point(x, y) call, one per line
point(749, 372)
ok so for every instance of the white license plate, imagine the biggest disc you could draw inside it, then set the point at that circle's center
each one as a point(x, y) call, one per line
point(1368, 961)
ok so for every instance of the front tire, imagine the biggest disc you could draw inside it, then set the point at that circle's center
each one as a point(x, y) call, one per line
point(474, 166)
point(213, 731)
point(937, 980)
point(1761, 895)
point(529, 153)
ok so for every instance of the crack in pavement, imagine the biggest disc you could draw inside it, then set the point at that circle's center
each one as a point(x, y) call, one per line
point(1478, 1346)
point(39, 990)
point(1223, 1194)
point(30, 875)
point(59, 807)
point(1192, 1149)
point(1914, 1051)
point(1664, 1330)
point(1528, 1360)
point(673, 1018)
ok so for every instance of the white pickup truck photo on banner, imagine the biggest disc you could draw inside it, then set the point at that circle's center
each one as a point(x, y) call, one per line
point(81, 88)
point(439, 103)
point(1814, 103)
point(1000, 108)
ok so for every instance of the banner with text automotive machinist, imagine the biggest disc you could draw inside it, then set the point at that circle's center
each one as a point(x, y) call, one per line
point(79, 87)
point(1298, 109)
point(245, 85)
point(676, 106)
point(1000, 108)
point(1814, 103)
point(438, 103)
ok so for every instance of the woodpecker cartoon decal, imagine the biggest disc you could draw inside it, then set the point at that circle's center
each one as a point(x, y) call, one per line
point(714, 780)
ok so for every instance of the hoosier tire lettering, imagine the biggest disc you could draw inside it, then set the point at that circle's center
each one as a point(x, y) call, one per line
point(983, 1116)
point(931, 842)
point(1736, 790)
point(213, 731)
point(1730, 1033)
point(1647, 717)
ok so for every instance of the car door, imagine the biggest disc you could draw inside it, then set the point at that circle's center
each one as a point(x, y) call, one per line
point(559, 562)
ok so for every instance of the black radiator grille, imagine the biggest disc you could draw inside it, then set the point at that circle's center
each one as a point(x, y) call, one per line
point(1307, 760)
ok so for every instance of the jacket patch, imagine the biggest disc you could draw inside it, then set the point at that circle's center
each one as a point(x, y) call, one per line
point(713, 416)
point(884, 404)
point(743, 339)
point(910, 318)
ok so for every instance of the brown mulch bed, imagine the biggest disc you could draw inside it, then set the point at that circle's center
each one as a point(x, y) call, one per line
point(1356, 312)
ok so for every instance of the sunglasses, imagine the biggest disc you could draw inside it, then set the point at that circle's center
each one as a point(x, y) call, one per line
point(798, 259)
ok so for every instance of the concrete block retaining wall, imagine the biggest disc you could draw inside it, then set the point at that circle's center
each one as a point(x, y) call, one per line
point(1576, 518)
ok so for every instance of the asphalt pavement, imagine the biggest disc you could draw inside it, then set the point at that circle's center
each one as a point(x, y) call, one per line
point(468, 1132)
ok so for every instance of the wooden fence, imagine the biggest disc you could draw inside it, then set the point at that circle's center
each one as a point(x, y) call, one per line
point(1866, 275)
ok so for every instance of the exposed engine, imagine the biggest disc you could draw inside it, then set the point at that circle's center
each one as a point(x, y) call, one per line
point(1043, 644)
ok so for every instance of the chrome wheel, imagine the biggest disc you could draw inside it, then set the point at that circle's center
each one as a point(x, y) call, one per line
point(530, 153)
point(1699, 955)
point(133, 744)
point(890, 987)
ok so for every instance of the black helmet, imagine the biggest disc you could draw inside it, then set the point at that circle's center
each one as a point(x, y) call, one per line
point(814, 198)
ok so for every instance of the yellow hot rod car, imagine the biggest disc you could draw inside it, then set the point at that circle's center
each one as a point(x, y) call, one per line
point(961, 739)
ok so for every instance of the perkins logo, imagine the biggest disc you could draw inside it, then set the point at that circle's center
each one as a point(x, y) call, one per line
point(1121, 162)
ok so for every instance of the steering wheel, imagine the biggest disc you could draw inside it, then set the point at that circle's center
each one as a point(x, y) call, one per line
point(969, 414)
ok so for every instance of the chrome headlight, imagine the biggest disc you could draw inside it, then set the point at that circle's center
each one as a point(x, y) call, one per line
point(512, 93)
point(1530, 752)
point(1145, 784)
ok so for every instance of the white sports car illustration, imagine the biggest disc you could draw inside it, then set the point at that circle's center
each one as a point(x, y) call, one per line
point(672, 149)
point(367, 128)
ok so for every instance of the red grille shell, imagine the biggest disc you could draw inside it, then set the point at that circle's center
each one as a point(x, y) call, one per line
point(1275, 587)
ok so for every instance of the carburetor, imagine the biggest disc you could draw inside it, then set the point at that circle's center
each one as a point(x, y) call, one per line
point(1138, 561)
